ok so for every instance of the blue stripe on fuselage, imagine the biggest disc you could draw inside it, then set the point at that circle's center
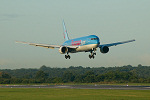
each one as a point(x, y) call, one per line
point(87, 40)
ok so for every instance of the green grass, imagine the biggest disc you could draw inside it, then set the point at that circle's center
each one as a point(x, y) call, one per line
point(131, 84)
point(71, 94)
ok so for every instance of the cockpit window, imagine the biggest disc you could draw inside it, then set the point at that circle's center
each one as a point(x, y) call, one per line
point(93, 38)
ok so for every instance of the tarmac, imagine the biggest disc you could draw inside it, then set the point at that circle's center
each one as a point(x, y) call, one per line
point(119, 87)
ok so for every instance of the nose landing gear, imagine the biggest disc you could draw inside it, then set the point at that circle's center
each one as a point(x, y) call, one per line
point(67, 56)
point(92, 55)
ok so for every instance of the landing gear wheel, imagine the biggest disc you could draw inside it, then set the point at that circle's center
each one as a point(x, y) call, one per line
point(93, 56)
point(67, 56)
point(90, 56)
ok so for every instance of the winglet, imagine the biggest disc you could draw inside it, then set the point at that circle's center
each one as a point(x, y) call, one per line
point(65, 32)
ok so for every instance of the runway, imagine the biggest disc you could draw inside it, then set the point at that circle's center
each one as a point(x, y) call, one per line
point(119, 87)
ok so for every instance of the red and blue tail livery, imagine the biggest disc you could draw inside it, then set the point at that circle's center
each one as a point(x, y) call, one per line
point(82, 44)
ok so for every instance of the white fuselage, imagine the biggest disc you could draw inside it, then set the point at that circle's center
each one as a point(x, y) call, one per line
point(86, 47)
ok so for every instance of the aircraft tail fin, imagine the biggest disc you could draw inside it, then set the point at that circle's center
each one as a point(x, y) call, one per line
point(65, 32)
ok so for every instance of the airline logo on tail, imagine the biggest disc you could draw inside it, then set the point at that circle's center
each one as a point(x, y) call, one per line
point(65, 32)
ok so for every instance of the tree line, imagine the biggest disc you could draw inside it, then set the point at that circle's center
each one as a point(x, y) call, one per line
point(79, 74)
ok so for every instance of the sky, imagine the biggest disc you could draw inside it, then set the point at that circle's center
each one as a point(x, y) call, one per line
point(40, 21)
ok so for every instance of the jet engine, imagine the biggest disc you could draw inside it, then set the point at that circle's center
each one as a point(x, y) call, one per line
point(104, 49)
point(63, 49)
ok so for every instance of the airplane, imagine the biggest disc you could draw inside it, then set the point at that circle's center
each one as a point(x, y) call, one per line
point(82, 44)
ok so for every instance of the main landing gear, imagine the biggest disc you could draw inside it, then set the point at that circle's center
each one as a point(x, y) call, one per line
point(67, 56)
point(92, 55)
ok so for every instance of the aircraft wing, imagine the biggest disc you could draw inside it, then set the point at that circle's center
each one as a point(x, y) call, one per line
point(117, 43)
point(46, 45)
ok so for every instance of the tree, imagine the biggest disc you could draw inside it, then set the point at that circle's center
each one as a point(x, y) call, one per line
point(5, 75)
point(43, 68)
point(89, 77)
point(41, 77)
point(40, 74)
point(68, 77)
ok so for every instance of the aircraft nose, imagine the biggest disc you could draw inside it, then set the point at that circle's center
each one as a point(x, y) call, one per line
point(98, 42)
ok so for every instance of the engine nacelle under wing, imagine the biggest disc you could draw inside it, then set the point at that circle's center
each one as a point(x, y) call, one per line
point(63, 49)
point(104, 49)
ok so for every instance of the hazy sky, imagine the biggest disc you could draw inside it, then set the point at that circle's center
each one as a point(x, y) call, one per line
point(40, 21)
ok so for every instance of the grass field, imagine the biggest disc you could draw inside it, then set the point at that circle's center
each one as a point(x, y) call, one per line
point(131, 84)
point(71, 94)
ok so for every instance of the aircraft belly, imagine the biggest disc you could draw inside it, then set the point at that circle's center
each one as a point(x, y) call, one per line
point(86, 47)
